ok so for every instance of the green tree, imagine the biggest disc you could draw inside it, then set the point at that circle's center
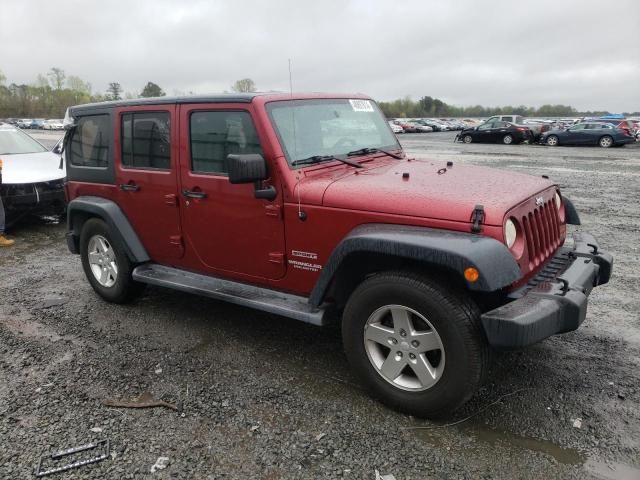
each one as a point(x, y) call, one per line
point(114, 91)
point(56, 78)
point(78, 85)
point(3, 78)
point(244, 85)
point(152, 90)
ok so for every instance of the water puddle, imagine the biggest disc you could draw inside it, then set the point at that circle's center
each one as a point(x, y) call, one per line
point(612, 470)
point(482, 435)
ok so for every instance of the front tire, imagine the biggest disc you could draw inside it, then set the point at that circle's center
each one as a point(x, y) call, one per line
point(416, 345)
point(467, 139)
point(106, 264)
point(552, 140)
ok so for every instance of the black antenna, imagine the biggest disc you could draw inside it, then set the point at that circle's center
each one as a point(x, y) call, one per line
point(290, 81)
point(301, 215)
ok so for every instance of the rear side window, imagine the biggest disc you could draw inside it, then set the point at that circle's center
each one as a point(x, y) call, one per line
point(214, 135)
point(89, 145)
point(146, 140)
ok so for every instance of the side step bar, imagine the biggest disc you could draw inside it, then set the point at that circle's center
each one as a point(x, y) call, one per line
point(292, 306)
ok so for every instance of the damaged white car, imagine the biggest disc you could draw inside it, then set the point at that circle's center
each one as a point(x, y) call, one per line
point(32, 176)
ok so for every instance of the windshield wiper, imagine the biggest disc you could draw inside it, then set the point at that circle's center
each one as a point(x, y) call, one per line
point(367, 151)
point(324, 158)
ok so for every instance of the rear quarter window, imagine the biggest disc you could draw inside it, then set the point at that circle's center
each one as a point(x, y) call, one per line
point(89, 144)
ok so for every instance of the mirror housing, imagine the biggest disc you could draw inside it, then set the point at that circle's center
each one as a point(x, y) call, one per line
point(248, 168)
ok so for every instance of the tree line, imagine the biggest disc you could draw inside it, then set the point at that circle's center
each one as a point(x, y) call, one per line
point(50, 95)
point(434, 107)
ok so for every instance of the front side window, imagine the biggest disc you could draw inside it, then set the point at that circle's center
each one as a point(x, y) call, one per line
point(488, 125)
point(146, 140)
point(215, 135)
point(329, 127)
point(89, 145)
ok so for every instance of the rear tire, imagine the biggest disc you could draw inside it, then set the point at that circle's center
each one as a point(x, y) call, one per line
point(106, 264)
point(507, 139)
point(443, 338)
point(606, 141)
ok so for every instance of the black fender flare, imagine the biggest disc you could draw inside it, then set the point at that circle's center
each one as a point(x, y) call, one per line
point(85, 207)
point(570, 212)
point(454, 251)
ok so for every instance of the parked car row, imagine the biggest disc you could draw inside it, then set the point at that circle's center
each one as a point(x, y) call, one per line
point(603, 134)
point(515, 129)
point(35, 123)
point(417, 125)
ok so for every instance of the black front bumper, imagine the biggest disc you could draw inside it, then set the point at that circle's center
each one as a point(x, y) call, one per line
point(21, 199)
point(554, 301)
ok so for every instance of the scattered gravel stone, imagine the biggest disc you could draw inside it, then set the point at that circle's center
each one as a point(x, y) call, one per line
point(161, 464)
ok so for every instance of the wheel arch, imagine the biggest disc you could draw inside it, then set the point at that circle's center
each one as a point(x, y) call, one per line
point(83, 208)
point(373, 248)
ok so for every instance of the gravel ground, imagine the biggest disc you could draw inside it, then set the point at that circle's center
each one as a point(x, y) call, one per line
point(265, 397)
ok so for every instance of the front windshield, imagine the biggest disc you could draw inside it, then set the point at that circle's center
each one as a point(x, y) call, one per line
point(16, 142)
point(329, 127)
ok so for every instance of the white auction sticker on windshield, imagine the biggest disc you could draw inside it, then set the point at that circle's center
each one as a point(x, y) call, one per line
point(361, 105)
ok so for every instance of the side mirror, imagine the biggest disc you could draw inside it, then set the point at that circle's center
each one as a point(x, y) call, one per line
point(247, 168)
point(57, 149)
point(251, 168)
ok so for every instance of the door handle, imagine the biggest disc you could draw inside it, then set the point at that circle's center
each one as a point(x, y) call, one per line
point(129, 187)
point(194, 194)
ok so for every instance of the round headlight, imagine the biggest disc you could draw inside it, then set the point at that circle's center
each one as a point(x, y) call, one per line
point(558, 201)
point(510, 233)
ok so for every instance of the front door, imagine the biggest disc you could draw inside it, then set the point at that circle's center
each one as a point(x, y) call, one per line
point(487, 131)
point(146, 173)
point(578, 134)
point(228, 231)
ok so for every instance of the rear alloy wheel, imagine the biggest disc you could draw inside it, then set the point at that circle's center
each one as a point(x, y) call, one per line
point(606, 141)
point(416, 345)
point(467, 139)
point(106, 264)
point(552, 141)
point(507, 139)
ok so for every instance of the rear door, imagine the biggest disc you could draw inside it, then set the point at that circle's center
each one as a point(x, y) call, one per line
point(228, 231)
point(145, 141)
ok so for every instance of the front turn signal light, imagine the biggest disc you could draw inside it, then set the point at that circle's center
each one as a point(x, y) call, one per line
point(471, 274)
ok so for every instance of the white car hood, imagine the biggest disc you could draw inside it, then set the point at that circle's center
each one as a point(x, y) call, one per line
point(32, 168)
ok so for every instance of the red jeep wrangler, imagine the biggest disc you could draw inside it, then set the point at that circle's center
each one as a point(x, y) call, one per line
point(306, 206)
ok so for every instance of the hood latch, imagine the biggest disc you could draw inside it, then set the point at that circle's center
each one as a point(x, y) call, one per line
point(477, 217)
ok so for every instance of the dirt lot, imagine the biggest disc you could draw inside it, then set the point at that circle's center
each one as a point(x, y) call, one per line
point(266, 397)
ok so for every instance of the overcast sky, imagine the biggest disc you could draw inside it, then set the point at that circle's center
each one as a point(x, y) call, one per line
point(585, 53)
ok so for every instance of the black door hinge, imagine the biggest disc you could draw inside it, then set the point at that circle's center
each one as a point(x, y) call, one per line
point(477, 217)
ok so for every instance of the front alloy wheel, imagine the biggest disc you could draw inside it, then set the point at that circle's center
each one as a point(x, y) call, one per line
point(414, 342)
point(404, 347)
point(552, 140)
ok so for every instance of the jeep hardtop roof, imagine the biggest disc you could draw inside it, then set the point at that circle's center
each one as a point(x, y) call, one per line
point(211, 98)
